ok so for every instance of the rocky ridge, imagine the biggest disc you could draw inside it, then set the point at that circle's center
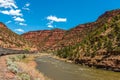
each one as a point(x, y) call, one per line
point(9, 39)
point(44, 39)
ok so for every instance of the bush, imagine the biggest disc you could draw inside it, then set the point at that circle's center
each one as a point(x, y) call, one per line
point(24, 76)
point(27, 49)
point(18, 57)
point(12, 66)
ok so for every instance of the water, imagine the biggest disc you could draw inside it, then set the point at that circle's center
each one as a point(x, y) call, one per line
point(60, 70)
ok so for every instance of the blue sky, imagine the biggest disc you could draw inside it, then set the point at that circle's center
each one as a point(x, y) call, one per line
point(29, 15)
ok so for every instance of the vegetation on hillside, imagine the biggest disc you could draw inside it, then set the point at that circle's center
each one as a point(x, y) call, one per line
point(103, 38)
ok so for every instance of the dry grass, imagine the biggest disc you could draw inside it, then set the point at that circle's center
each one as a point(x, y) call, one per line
point(28, 65)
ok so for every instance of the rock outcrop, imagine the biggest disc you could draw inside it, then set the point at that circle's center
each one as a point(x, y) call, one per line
point(44, 39)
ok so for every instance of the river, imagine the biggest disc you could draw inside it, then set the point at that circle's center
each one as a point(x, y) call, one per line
point(60, 70)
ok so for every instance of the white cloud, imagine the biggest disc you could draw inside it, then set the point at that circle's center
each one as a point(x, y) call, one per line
point(8, 4)
point(8, 22)
point(26, 7)
point(56, 19)
point(49, 23)
point(50, 26)
point(12, 12)
point(27, 4)
point(53, 19)
point(19, 19)
point(9, 7)
point(19, 30)
point(22, 24)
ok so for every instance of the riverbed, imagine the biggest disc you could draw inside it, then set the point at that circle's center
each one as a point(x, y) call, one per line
point(61, 70)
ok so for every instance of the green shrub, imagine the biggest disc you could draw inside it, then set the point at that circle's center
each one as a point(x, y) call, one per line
point(22, 56)
point(18, 57)
point(9, 62)
point(27, 49)
point(24, 76)
point(12, 66)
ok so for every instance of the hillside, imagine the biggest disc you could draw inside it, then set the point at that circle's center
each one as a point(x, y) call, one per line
point(9, 39)
point(73, 36)
point(44, 39)
point(101, 46)
point(52, 40)
point(56, 39)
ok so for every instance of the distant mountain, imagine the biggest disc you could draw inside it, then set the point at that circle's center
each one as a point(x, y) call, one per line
point(9, 39)
point(45, 39)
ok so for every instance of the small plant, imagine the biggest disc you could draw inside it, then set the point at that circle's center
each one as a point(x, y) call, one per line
point(27, 49)
point(37, 79)
point(24, 76)
point(22, 56)
point(13, 68)
point(9, 62)
point(18, 57)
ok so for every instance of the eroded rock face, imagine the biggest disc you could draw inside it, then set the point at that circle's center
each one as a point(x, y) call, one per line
point(37, 36)
point(57, 38)
point(75, 35)
point(44, 39)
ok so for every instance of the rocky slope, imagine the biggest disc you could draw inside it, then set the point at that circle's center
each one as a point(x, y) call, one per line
point(9, 39)
point(44, 39)
point(51, 40)
point(101, 46)
point(74, 35)
point(56, 39)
